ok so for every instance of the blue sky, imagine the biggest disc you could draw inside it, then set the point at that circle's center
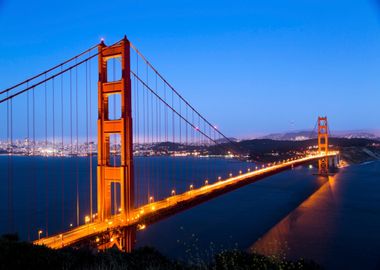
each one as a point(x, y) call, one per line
point(251, 67)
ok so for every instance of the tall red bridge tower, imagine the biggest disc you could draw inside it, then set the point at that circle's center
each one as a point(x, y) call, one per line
point(106, 173)
point(323, 145)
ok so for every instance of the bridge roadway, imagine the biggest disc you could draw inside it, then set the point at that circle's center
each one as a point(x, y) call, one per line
point(170, 205)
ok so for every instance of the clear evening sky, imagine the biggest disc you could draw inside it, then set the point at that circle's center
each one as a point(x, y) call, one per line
point(251, 67)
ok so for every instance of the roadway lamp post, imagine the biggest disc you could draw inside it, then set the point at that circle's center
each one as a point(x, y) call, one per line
point(87, 221)
point(39, 234)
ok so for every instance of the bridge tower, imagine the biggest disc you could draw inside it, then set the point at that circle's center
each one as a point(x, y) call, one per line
point(106, 173)
point(323, 145)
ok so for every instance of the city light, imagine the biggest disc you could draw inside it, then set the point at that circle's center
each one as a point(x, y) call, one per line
point(141, 227)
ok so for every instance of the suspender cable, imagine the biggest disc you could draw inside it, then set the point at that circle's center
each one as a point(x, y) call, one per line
point(53, 110)
point(62, 161)
point(155, 189)
point(90, 119)
point(34, 159)
point(53, 173)
point(77, 144)
point(9, 175)
point(156, 139)
point(138, 142)
point(46, 165)
point(28, 154)
point(173, 137)
point(71, 119)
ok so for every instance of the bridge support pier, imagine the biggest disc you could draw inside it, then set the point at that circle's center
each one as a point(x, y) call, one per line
point(123, 239)
point(128, 239)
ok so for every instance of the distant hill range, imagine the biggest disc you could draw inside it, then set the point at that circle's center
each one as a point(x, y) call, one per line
point(224, 140)
point(307, 135)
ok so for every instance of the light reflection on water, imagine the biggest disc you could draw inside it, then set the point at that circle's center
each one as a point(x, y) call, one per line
point(337, 226)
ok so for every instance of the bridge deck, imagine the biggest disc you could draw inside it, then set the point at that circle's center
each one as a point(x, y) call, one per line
point(171, 203)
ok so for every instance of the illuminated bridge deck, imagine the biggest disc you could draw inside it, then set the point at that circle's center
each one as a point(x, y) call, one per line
point(171, 205)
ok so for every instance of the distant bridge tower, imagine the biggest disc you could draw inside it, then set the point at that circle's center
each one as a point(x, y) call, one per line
point(323, 145)
point(106, 173)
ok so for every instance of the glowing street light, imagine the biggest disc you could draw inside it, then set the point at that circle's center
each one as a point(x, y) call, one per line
point(173, 192)
point(219, 178)
point(151, 199)
point(230, 174)
point(191, 187)
point(141, 227)
point(206, 182)
point(86, 219)
point(39, 234)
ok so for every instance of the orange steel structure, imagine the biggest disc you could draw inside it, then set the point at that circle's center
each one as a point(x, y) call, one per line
point(323, 145)
point(106, 173)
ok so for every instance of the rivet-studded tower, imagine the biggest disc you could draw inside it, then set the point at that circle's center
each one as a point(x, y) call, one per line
point(323, 145)
point(107, 174)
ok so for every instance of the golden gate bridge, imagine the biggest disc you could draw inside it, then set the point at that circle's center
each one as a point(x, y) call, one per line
point(140, 116)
